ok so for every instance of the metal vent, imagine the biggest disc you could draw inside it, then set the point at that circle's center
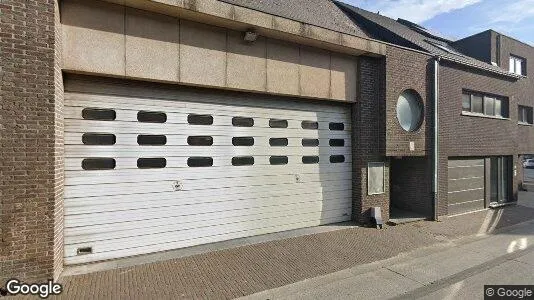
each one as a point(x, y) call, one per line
point(84, 251)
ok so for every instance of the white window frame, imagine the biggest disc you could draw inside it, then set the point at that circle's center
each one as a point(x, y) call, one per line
point(516, 65)
point(502, 101)
point(527, 113)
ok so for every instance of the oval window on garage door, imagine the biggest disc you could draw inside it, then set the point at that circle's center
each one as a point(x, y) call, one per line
point(99, 114)
point(151, 117)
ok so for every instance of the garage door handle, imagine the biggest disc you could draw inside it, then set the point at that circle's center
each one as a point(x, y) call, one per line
point(177, 186)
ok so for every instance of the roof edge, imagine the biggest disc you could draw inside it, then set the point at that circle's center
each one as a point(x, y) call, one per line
point(490, 70)
point(470, 36)
point(512, 38)
point(499, 72)
point(231, 16)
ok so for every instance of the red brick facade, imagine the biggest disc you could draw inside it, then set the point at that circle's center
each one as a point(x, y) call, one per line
point(369, 137)
point(470, 136)
point(379, 136)
point(30, 173)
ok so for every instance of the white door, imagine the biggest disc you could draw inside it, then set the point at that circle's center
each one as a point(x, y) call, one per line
point(145, 175)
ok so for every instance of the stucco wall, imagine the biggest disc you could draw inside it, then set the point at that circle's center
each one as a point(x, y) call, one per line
point(110, 39)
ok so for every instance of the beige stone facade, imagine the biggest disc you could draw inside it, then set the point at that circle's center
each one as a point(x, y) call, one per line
point(109, 39)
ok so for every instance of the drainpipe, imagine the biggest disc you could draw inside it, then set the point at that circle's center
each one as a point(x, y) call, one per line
point(435, 186)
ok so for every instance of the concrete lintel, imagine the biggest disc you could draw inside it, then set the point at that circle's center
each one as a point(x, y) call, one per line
point(218, 13)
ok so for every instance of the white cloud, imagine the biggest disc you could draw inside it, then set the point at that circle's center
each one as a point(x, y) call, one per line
point(512, 12)
point(513, 18)
point(416, 11)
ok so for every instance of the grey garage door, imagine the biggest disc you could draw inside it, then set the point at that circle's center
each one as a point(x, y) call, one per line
point(466, 185)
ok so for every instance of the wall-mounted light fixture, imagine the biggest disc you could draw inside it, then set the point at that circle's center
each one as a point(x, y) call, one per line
point(250, 36)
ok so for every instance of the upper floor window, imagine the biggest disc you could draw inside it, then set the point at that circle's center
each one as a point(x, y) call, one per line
point(525, 114)
point(518, 65)
point(483, 104)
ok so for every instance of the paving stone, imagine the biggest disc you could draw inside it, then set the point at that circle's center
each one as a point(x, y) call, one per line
point(231, 273)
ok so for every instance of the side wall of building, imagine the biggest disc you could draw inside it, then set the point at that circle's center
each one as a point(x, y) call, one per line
point(472, 136)
point(524, 88)
point(369, 138)
point(408, 70)
point(59, 145)
point(477, 46)
point(411, 165)
point(31, 170)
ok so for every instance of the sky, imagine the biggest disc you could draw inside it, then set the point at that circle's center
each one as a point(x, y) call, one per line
point(457, 19)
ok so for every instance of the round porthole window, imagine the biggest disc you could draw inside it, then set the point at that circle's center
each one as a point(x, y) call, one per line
point(410, 110)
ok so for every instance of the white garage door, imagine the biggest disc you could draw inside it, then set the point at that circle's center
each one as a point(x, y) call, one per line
point(145, 175)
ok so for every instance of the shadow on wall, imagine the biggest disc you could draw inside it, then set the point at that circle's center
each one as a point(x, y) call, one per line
point(411, 185)
point(369, 138)
point(335, 165)
point(106, 38)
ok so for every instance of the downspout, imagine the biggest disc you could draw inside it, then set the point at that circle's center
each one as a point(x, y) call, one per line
point(435, 185)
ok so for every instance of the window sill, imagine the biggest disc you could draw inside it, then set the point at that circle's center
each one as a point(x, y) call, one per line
point(470, 114)
point(524, 124)
point(521, 75)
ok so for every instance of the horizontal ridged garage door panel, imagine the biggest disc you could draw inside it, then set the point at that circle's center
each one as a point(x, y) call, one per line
point(177, 111)
point(129, 211)
point(464, 172)
point(468, 195)
point(464, 207)
point(289, 223)
point(466, 162)
point(466, 185)
point(200, 221)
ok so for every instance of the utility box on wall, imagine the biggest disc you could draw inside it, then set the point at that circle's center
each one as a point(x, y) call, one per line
point(375, 178)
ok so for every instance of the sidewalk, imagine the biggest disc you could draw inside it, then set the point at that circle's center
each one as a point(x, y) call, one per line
point(458, 270)
point(246, 270)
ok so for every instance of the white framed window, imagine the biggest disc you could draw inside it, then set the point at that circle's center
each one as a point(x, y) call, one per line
point(375, 178)
point(524, 115)
point(517, 65)
point(483, 104)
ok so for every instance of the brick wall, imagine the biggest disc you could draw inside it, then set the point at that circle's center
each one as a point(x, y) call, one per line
point(378, 134)
point(408, 70)
point(30, 190)
point(467, 136)
point(369, 137)
point(413, 173)
point(523, 90)
point(58, 146)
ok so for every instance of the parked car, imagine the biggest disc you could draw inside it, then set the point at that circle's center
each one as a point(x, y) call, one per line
point(529, 163)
